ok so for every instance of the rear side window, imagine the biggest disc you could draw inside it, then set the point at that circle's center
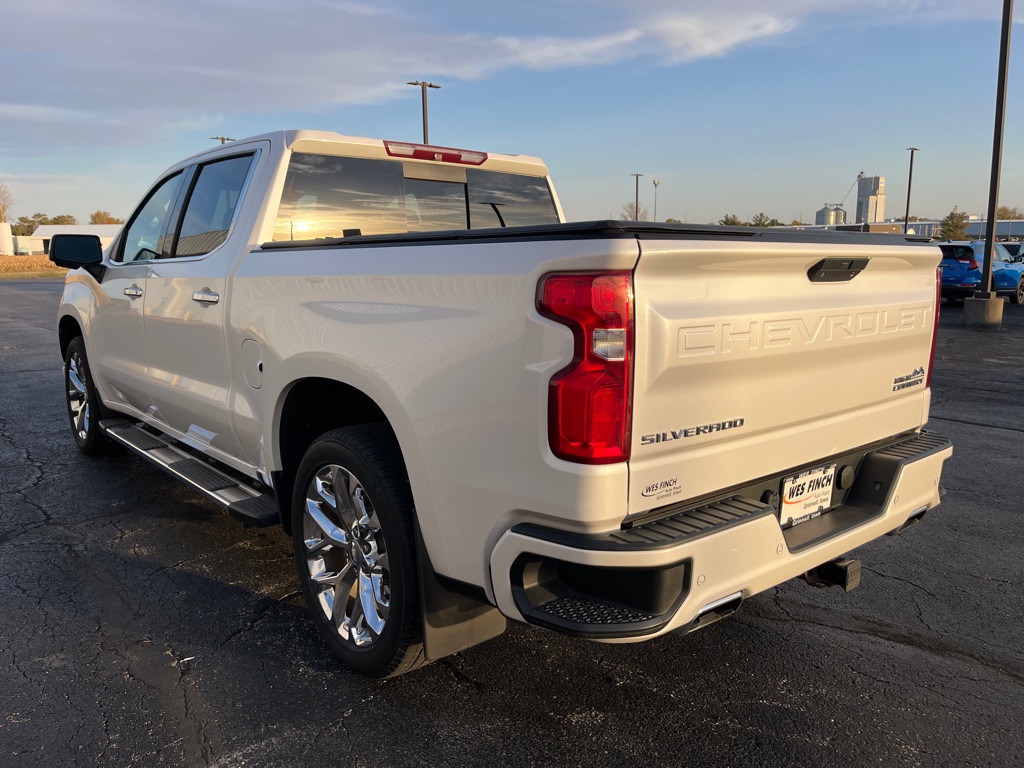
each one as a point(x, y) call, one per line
point(508, 200)
point(211, 205)
point(326, 196)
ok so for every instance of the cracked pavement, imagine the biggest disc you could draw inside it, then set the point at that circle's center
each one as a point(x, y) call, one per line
point(143, 626)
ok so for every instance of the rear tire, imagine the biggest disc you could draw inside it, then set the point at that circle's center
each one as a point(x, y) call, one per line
point(352, 529)
point(83, 402)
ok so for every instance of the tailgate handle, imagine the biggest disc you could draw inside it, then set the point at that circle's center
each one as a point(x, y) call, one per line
point(836, 270)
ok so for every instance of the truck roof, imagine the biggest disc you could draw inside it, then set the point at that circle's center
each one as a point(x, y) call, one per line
point(332, 143)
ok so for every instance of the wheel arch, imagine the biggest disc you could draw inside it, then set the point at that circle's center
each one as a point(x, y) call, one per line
point(303, 416)
point(68, 328)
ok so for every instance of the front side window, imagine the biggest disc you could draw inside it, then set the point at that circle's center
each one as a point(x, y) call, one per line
point(327, 196)
point(211, 205)
point(144, 236)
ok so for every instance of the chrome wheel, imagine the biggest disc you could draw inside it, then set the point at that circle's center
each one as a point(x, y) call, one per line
point(346, 556)
point(84, 409)
point(78, 396)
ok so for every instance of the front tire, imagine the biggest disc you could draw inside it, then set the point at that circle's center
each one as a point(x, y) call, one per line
point(1018, 295)
point(83, 401)
point(352, 529)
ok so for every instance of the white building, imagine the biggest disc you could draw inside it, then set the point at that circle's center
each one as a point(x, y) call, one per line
point(6, 239)
point(39, 241)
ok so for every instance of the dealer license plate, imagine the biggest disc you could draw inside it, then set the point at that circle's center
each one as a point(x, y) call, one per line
point(806, 495)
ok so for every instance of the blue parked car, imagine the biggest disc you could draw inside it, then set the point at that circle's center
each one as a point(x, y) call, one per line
point(961, 271)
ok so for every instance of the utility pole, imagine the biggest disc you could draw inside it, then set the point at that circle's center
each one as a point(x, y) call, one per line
point(656, 183)
point(423, 84)
point(987, 309)
point(910, 180)
point(223, 139)
point(636, 203)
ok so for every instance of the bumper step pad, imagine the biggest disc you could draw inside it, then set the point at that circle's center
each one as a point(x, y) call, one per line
point(579, 609)
point(662, 533)
point(243, 502)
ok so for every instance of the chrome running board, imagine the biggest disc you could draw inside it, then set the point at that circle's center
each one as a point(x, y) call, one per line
point(242, 502)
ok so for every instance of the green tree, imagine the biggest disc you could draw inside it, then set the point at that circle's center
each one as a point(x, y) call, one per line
point(797, 223)
point(731, 220)
point(762, 220)
point(954, 226)
point(104, 217)
point(673, 221)
point(26, 225)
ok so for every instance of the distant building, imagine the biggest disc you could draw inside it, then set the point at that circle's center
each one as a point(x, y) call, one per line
point(39, 241)
point(831, 214)
point(870, 199)
point(6, 239)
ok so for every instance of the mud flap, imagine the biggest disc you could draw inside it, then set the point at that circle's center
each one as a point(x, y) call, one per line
point(452, 621)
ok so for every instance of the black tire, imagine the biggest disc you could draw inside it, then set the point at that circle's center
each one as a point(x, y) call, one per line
point(83, 402)
point(1018, 295)
point(359, 546)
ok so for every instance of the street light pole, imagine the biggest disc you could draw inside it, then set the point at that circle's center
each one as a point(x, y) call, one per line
point(910, 180)
point(656, 183)
point(636, 200)
point(423, 84)
point(997, 152)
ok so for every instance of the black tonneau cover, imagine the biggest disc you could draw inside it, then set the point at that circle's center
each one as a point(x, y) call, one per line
point(589, 230)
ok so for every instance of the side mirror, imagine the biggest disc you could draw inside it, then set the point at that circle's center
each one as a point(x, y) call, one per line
point(74, 251)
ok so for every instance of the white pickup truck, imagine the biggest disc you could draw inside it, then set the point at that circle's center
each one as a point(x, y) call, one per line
point(463, 409)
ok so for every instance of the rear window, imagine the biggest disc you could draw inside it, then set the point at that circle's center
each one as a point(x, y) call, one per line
point(327, 196)
point(964, 252)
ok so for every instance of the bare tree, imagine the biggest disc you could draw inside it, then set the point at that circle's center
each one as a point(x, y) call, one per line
point(629, 213)
point(6, 201)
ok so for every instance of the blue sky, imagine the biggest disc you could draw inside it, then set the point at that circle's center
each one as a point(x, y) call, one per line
point(737, 106)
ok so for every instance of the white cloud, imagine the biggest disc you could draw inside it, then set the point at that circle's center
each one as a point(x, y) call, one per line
point(119, 71)
point(38, 113)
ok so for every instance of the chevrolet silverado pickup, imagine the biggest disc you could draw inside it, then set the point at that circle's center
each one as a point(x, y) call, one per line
point(463, 409)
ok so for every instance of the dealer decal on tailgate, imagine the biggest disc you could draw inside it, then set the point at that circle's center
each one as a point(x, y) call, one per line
point(806, 495)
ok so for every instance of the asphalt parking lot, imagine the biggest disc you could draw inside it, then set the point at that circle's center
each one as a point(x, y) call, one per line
point(142, 626)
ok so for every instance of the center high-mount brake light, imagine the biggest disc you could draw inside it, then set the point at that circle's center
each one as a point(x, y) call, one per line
point(590, 400)
point(437, 154)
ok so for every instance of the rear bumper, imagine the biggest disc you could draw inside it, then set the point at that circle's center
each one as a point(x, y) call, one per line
point(959, 291)
point(968, 291)
point(683, 571)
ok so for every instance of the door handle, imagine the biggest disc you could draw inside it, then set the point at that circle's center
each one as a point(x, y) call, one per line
point(206, 296)
point(134, 291)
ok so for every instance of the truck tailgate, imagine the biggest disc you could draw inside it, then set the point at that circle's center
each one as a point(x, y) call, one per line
point(749, 364)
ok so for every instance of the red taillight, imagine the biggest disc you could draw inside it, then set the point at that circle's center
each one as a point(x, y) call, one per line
point(438, 154)
point(935, 326)
point(590, 400)
point(971, 263)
